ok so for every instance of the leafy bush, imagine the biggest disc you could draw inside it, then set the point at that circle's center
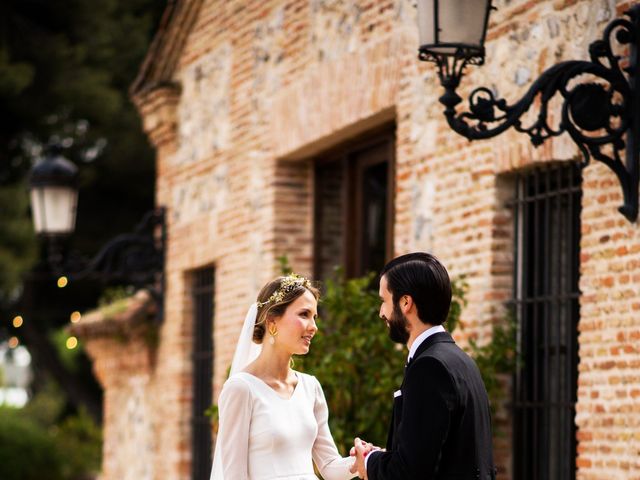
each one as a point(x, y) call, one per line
point(79, 440)
point(497, 358)
point(38, 442)
point(18, 246)
point(27, 451)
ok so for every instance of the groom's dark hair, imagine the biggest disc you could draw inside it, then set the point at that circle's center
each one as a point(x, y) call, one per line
point(421, 276)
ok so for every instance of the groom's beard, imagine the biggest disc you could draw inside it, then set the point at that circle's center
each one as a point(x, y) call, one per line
point(398, 326)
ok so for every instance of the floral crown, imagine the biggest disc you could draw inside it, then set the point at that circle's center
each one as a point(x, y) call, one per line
point(288, 284)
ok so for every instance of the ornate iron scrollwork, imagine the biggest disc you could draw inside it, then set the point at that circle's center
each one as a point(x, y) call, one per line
point(601, 115)
point(135, 258)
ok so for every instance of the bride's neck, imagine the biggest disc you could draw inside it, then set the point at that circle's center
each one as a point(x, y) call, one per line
point(273, 364)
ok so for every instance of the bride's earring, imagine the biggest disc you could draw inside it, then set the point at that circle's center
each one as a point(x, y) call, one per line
point(273, 332)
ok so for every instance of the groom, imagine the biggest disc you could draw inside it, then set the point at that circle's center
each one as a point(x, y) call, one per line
point(441, 425)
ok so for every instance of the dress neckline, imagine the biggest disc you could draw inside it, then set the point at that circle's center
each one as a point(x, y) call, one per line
point(262, 382)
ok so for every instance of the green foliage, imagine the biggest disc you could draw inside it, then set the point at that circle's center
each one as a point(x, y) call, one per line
point(459, 289)
point(63, 62)
point(114, 300)
point(27, 450)
point(497, 358)
point(213, 413)
point(111, 295)
point(18, 246)
point(14, 77)
point(46, 406)
point(70, 358)
point(79, 441)
point(34, 440)
point(285, 267)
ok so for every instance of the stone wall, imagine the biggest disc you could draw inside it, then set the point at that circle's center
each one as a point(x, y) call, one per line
point(260, 87)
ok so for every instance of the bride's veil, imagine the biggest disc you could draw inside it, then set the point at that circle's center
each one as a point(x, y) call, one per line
point(246, 352)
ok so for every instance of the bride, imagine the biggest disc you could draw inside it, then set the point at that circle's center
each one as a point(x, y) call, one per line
point(274, 420)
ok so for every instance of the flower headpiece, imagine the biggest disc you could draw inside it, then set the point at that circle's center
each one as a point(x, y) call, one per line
point(288, 284)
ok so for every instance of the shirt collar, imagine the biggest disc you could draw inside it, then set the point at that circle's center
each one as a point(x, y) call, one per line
point(422, 337)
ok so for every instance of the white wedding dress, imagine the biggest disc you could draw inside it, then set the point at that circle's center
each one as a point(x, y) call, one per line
point(264, 436)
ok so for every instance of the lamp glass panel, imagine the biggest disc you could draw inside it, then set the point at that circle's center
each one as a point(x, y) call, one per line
point(460, 22)
point(54, 209)
point(37, 209)
point(426, 24)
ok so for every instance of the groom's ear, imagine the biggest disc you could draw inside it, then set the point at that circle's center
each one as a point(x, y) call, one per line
point(406, 303)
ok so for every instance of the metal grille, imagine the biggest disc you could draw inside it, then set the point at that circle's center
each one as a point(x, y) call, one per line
point(202, 372)
point(547, 223)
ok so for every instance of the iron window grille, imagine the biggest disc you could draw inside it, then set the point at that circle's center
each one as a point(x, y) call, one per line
point(202, 358)
point(546, 301)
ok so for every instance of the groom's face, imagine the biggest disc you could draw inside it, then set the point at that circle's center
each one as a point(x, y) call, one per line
point(396, 321)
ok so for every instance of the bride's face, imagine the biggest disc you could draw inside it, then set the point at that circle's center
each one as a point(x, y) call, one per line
point(297, 326)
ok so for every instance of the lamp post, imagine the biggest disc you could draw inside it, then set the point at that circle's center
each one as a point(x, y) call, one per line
point(601, 115)
point(135, 258)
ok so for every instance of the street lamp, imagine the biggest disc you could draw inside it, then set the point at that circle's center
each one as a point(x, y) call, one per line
point(135, 258)
point(453, 28)
point(601, 115)
point(54, 194)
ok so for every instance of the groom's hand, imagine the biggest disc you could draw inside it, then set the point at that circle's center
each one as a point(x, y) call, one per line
point(360, 450)
point(367, 448)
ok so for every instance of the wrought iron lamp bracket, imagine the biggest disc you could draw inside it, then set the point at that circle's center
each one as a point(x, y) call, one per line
point(135, 258)
point(602, 115)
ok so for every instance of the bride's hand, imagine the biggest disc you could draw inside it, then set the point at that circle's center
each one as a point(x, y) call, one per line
point(360, 450)
point(368, 447)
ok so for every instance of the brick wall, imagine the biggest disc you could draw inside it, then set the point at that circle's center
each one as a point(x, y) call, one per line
point(261, 87)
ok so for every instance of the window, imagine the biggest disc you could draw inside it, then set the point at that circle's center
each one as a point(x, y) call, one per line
point(547, 226)
point(202, 298)
point(354, 207)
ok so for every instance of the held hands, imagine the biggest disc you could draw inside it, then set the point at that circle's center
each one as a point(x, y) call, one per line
point(360, 450)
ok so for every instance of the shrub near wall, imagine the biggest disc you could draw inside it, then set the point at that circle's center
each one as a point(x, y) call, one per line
point(27, 451)
point(38, 443)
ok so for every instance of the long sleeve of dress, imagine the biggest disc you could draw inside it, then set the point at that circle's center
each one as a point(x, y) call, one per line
point(325, 453)
point(235, 405)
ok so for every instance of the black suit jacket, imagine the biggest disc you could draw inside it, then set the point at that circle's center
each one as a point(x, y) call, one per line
point(441, 425)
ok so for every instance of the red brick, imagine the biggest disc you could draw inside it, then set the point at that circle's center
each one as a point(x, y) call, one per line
point(276, 110)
